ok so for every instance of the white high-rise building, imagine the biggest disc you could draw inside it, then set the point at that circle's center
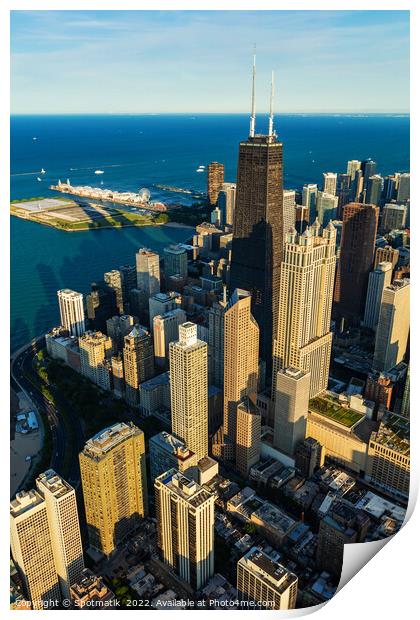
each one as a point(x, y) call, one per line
point(265, 583)
point(289, 209)
point(291, 409)
point(226, 203)
point(45, 540)
point(393, 326)
point(72, 313)
point(165, 330)
point(379, 278)
point(309, 193)
point(352, 166)
point(185, 525)
point(330, 182)
point(303, 339)
point(326, 207)
point(148, 272)
point(189, 397)
point(61, 503)
point(403, 193)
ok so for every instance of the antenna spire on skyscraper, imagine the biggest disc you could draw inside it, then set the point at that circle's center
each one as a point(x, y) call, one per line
point(252, 122)
point(270, 119)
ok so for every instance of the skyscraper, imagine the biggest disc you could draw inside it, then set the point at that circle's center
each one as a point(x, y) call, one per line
point(374, 189)
point(405, 404)
point(360, 223)
point(291, 409)
point(185, 526)
point(215, 179)
point(241, 335)
point(265, 582)
point(303, 338)
point(352, 166)
point(289, 209)
point(393, 217)
point(368, 168)
point(45, 540)
point(326, 207)
point(226, 202)
point(258, 235)
point(148, 272)
point(165, 330)
point(101, 304)
point(387, 254)
point(378, 279)
point(117, 327)
point(189, 398)
point(248, 436)
point(114, 280)
point(113, 474)
point(216, 342)
point(95, 350)
point(138, 362)
point(393, 326)
point(175, 261)
point(330, 183)
point(309, 194)
point(72, 313)
point(403, 193)
point(63, 520)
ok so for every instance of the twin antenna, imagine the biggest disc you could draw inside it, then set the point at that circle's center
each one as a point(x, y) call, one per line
point(271, 116)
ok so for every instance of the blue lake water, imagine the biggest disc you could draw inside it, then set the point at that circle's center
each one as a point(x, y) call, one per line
point(139, 151)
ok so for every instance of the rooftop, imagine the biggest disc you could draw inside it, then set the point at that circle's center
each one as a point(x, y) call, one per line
point(394, 433)
point(151, 384)
point(24, 501)
point(53, 483)
point(330, 408)
point(269, 570)
point(184, 487)
point(275, 518)
point(104, 441)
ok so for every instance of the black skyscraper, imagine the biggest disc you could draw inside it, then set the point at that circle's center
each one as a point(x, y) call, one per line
point(258, 235)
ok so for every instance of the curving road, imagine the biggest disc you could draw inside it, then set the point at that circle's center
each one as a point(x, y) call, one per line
point(21, 362)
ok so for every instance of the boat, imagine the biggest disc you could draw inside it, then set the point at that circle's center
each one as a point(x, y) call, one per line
point(200, 170)
point(99, 171)
point(34, 138)
point(38, 179)
point(42, 171)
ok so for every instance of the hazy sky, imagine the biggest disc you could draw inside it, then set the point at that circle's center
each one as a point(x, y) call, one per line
point(200, 61)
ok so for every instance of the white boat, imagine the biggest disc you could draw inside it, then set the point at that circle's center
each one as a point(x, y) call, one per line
point(42, 171)
point(99, 171)
point(33, 138)
point(201, 167)
point(200, 170)
point(38, 179)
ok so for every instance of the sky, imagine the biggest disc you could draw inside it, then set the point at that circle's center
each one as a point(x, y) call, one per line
point(118, 62)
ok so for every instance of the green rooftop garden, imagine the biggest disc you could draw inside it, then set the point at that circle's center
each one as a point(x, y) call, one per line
point(333, 410)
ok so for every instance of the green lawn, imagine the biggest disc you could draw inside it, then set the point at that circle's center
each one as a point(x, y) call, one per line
point(334, 411)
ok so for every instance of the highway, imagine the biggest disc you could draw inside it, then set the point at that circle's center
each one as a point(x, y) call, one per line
point(21, 362)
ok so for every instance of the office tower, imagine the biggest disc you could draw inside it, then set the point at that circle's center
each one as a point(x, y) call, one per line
point(352, 166)
point(403, 193)
point(117, 375)
point(378, 389)
point(326, 207)
point(309, 457)
point(360, 223)
point(161, 303)
point(389, 191)
point(289, 209)
point(72, 314)
point(343, 192)
point(309, 194)
point(405, 404)
point(185, 526)
point(241, 335)
point(188, 372)
point(393, 326)
point(63, 521)
point(226, 203)
point(303, 338)
point(91, 592)
point(378, 279)
point(45, 540)
point(248, 436)
point(357, 186)
point(175, 261)
point(258, 235)
point(101, 304)
point(216, 319)
point(368, 168)
point(95, 349)
point(31, 547)
point(342, 525)
point(165, 330)
point(129, 281)
point(393, 217)
point(330, 183)
point(114, 280)
point(291, 409)
point(387, 254)
point(117, 327)
point(168, 452)
point(264, 582)
point(216, 217)
point(138, 362)
point(148, 272)
point(374, 189)
point(215, 180)
point(113, 474)
point(388, 456)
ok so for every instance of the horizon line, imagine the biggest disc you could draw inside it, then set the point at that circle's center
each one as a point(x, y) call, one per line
point(285, 112)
